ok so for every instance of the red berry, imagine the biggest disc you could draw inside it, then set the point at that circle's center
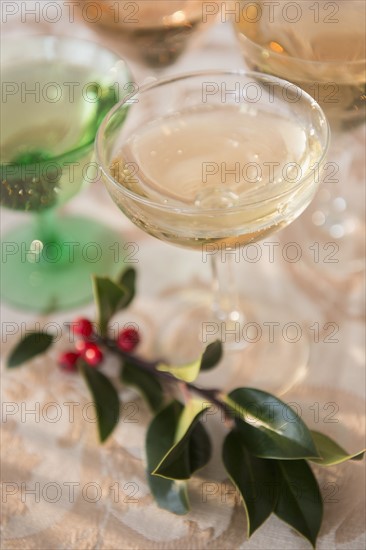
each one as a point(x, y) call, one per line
point(82, 327)
point(128, 339)
point(81, 345)
point(92, 355)
point(67, 361)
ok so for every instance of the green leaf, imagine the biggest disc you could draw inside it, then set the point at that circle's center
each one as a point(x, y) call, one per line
point(200, 448)
point(190, 371)
point(110, 297)
point(170, 495)
point(145, 382)
point(30, 346)
point(105, 399)
point(331, 453)
point(212, 355)
point(187, 373)
point(128, 281)
point(299, 500)
point(271, 428)
point(191, 449)
point(253, 477)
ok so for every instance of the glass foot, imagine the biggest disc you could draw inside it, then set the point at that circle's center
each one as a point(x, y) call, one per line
point(265, 348)
point(330, 271)
point(57, 275)
point(330, 235)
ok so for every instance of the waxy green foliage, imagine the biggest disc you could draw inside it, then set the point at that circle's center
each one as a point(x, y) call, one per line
point(299, 502)
point(253, 477)
point(145, 382)
point(191, 448)
point(271, 429)
point(105, 398)
point(330, 452)
point(265, 452)
point(169, 494)
point(211, 356)
point(186, 373)
point(110, 297)
point(30, 346)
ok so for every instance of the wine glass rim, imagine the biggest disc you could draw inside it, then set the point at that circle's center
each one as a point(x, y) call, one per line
point(309, 62)
point(183, 76)
point(80, 150)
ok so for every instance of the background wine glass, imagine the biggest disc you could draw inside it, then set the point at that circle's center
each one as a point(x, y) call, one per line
point(56, 92)
point(153, 34)
point(321, 48)
point(160, 153)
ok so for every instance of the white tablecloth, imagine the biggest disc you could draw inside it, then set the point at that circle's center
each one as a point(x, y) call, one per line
point(61, 489)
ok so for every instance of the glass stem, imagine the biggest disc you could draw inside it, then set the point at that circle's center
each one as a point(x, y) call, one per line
point(46, 230)
point(226, 296)
point(48, 245)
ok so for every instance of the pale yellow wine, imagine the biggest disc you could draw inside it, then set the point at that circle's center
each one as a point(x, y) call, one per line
point(320, 46)
point(217, 173)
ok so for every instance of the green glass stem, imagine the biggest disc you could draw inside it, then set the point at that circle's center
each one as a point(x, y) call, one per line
point(50, 244)
point(49, 263)
point(45, 226)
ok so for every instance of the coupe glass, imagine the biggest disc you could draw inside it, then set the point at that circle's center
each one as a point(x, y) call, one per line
point(56, 91)
point(214, 161)
point(321, 47)
point(153, 33)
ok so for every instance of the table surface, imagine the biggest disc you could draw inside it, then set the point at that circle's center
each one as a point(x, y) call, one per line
point(63, 490)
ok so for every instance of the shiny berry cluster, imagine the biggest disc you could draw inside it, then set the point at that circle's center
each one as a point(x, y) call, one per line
point(90, 352)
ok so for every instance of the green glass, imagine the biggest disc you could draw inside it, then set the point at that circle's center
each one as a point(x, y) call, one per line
point(55, 94)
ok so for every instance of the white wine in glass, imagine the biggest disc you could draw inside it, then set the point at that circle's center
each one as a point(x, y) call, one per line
point(320, 46)
point(55, 93)
point(216, 159)
point(154, 32)
point(210, 159)
point(35, 129)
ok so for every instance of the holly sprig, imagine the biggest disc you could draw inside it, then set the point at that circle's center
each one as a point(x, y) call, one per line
point(268, 449)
